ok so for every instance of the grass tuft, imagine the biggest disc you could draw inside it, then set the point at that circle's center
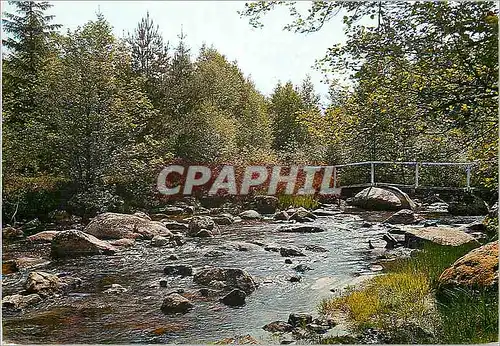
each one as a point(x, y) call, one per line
point(305, 201)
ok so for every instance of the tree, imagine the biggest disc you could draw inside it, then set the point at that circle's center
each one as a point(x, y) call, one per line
point(435, 61)
point(285, 105)
point(28, 47)
point(94, 116)
point(150, 58)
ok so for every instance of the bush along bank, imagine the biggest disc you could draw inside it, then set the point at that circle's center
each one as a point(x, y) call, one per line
point(442, 294)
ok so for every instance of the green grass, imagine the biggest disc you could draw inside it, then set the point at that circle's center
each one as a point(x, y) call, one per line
point(431, 261)
point(305, 201)
point(468, 316)
point(407, 305)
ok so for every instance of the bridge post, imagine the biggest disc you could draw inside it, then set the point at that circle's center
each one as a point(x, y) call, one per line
point(416, 174)
point(372, 171)
point(468, 178)
point(334, 173)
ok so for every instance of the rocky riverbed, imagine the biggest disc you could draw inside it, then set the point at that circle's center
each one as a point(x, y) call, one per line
point(165, 289)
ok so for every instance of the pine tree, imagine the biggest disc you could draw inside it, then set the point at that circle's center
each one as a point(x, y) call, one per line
point(28, 32)
point(150, 58)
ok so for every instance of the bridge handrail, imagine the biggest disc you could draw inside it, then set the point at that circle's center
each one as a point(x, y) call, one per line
point(417, 164)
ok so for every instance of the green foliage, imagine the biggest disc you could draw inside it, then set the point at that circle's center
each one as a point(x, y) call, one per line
point(415, 94)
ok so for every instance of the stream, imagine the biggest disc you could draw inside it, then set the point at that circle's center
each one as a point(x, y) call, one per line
point(88, 315)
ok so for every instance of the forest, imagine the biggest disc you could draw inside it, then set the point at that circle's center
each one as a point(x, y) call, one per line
point(88, 117)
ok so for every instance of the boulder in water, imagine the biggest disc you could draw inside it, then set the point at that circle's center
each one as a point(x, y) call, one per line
point(19, 302)
point(250, 215)
point(118, 226)
point(42, 237)
point(265, 204)
point(300, 229)
point(178, 269)
point(281, 216)
point(404, 217)
point(75, 243)
point(175, 303)
point(302, 215)
point(376, 198)
point(299, 319)
point(291, 251)
point(278, 327)
point(447, 236)
point(232, 277)
point(234, 298)
point(45, 284)
point(159, 241)
point(199, 223)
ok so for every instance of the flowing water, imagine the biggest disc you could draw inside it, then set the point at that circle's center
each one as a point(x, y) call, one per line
point(88, 315)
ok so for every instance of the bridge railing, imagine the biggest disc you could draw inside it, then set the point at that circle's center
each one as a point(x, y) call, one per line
point(417, 171)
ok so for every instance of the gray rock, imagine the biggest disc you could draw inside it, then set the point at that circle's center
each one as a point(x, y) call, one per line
point(174, 225)
point(323, 212)
point(302, 268)
point(178, 270)
point(199, 223)
point(234, 298)
point(214, 253)
point(375, 198)
point(315, 248)
point(223, 219)
point(417, 237)
point(159, 241)
point(290, 252)
point(204, 233)
point(45, 284)
point(115, 288)
point(300, 229)
point(19, 302)
point(75, 243)
point(295, 278)
point(232, 277)
point(278, 327)
point(303, 215)
point(250, 215)
point(175, 303)
point(42, 237)
point(281, 216)
point(405, 217)
point(118, 226)
point(299, 319)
